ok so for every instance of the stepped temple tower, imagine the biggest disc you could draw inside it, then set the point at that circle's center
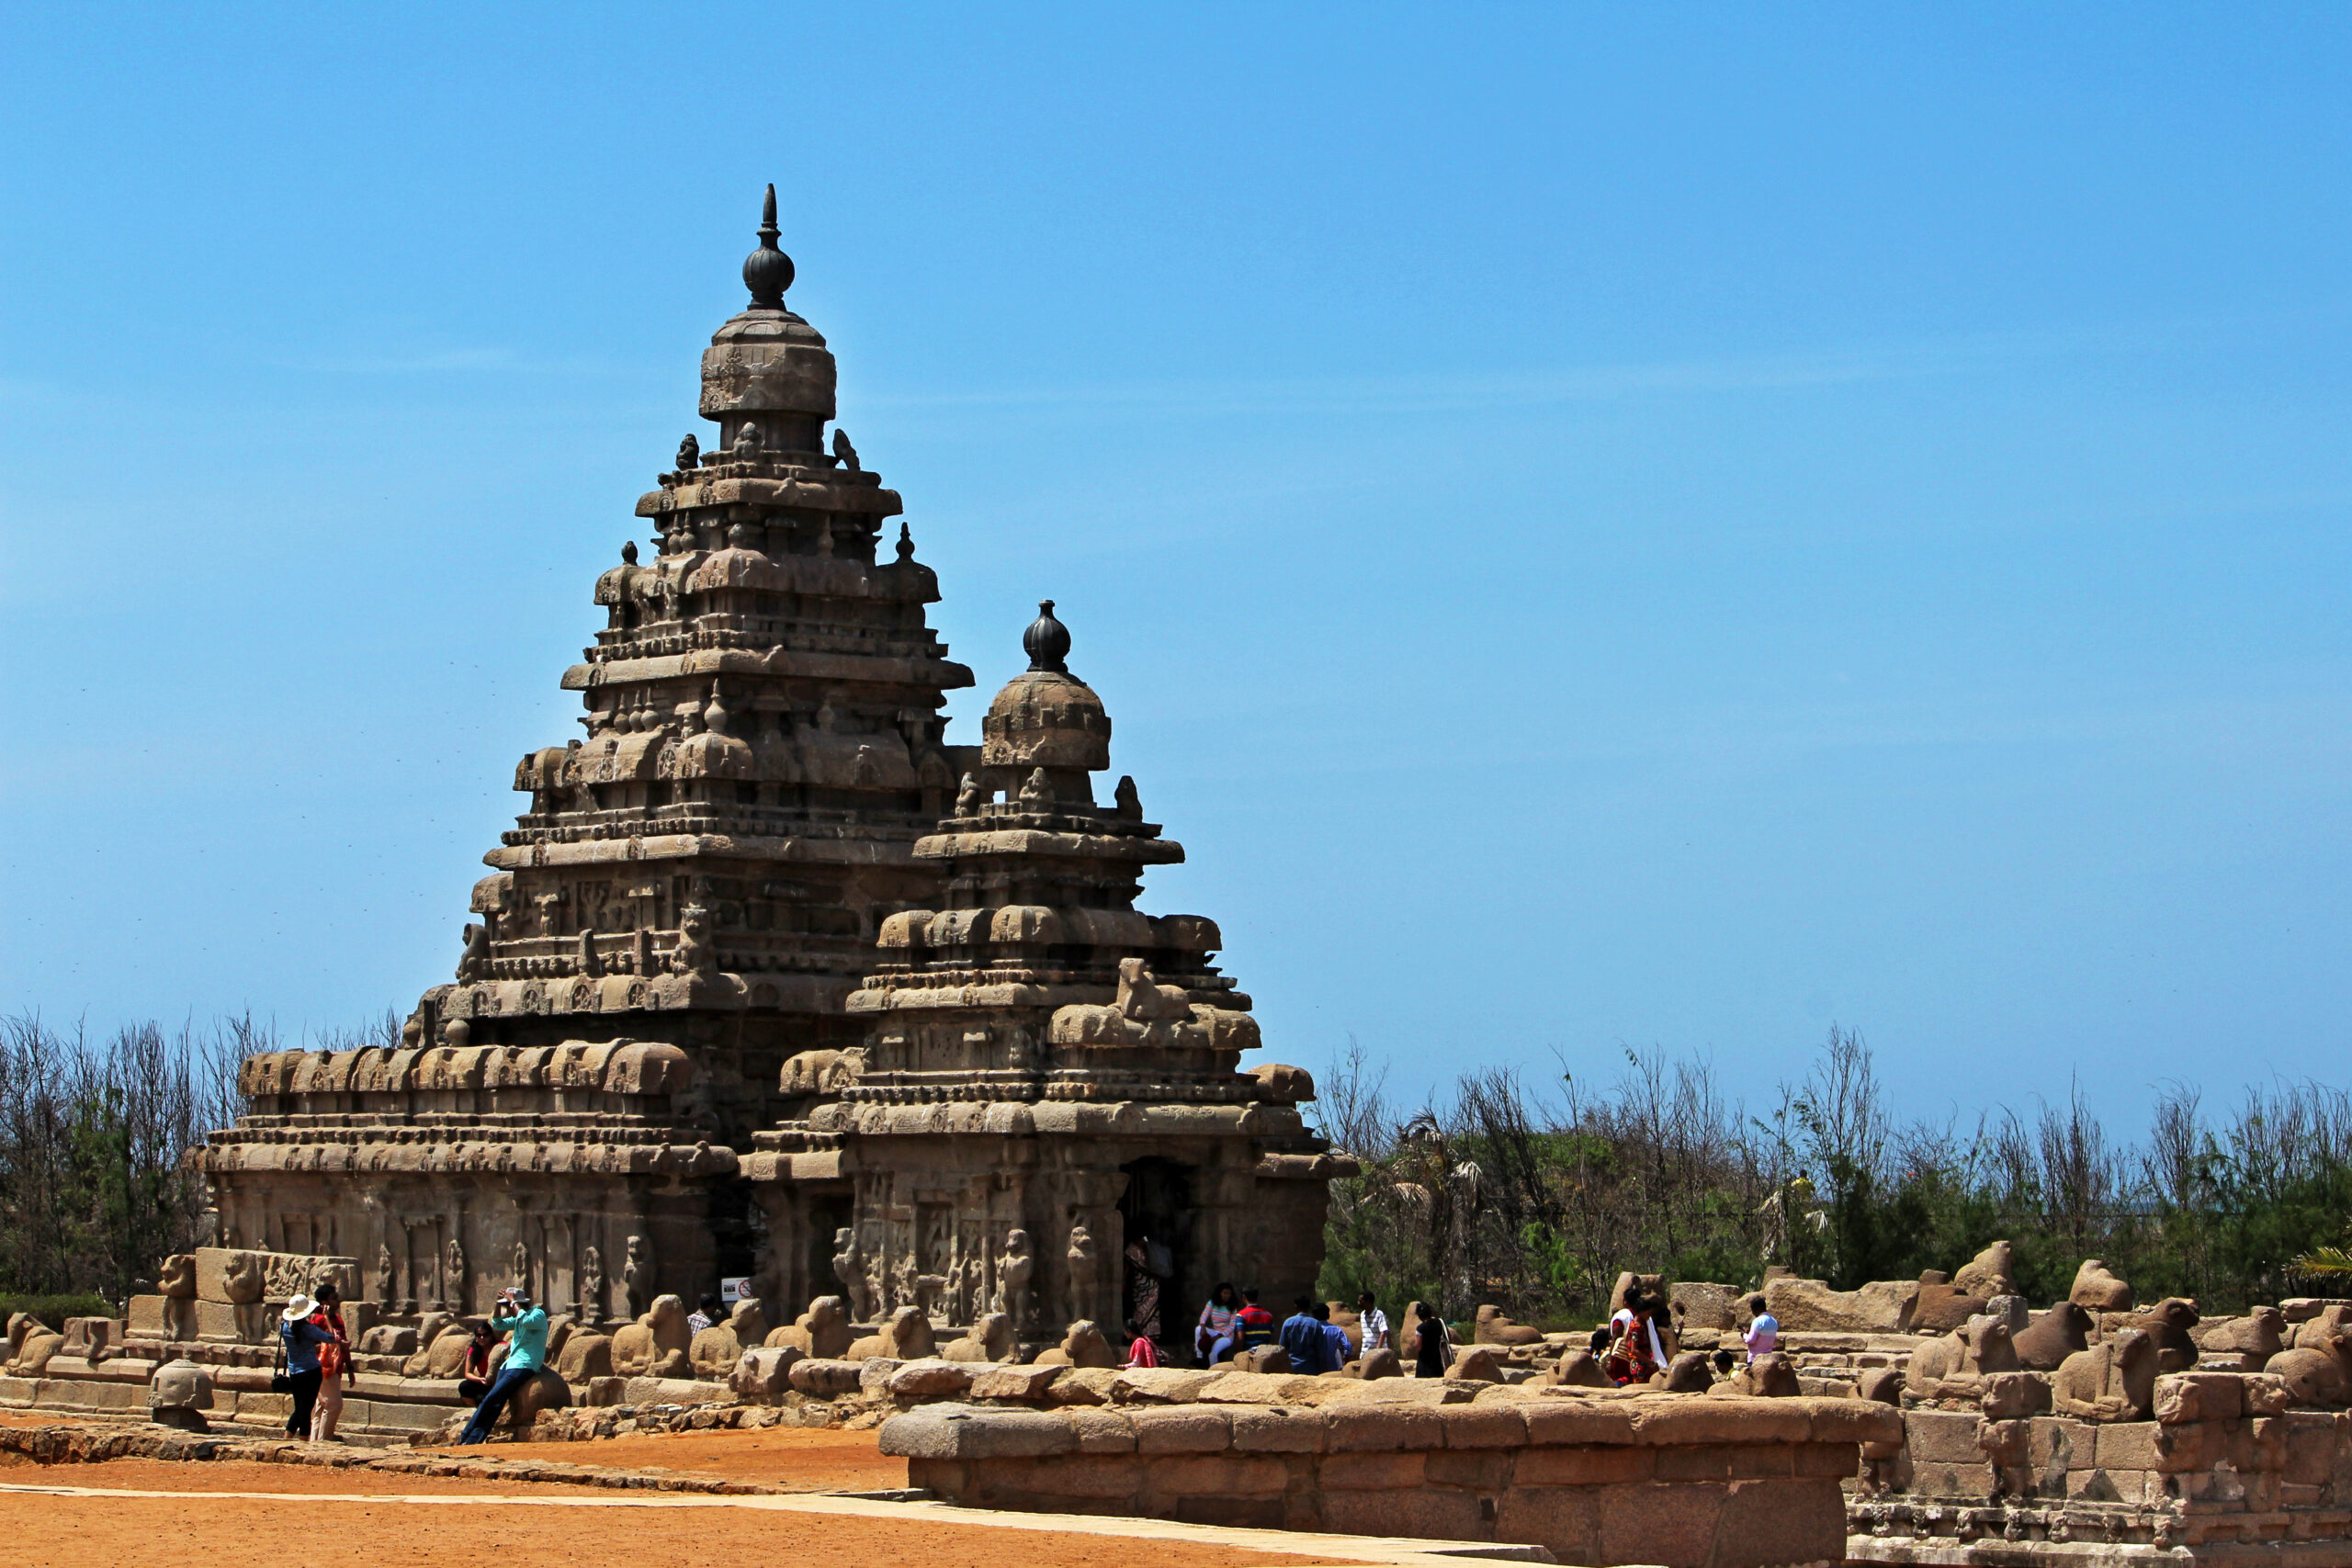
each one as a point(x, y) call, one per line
point(770, 979)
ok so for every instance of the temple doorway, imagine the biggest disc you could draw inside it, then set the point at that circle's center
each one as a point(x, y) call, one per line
point(1156, 1210)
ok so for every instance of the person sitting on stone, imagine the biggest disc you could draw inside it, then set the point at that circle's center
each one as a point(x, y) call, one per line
point(1334, 1337)
point(1212, 1336)
point(1253, 1325)
point(1302, 1339)
point(527, 1329)
point(473, 1376)
point(705, 1314)
point(1723, 1362)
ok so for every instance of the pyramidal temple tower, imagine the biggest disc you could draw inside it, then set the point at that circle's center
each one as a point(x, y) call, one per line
point(1048, 1077)
point(758, 913)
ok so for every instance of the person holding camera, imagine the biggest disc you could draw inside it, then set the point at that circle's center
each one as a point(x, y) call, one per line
point(526, 1327)
point(301, 1338)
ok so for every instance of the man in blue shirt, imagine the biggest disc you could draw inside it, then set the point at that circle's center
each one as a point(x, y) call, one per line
point(1302, 1338)
point(1335, 1339)
point(526, 1328)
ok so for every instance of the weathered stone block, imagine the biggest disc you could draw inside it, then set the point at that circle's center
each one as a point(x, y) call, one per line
point(1661, 1522)
point(1483, 1426)
point(2183, 1397)
point(1101, 1431)
point(1080, 1385)
point(1694, 1463)
point(1370, 1469)
point(1941, 1437)
point(1763, 1523)
point(1853, 1421)
point(1583, 1466)
point(2062, 1443)
point(1279, 1428)
point(1161, 1385)
point(825, 1380)
point(1670, 1421)
point(933, 1378)
point(1481, 1470)
point(968, 1432)
point(1819, 1459)
point(1578, 1421)
point(1264, 1388)
point(2125, 1445)
point(1360, 1427)
point(1015, 1382)
point(1430, 1513)
point(1759, 1460)
point(1232, 1476)
point(1565, 1518)
point(1181, 1428)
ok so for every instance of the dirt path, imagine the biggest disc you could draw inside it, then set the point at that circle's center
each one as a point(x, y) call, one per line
point(798, 1458)
point(46, 1530)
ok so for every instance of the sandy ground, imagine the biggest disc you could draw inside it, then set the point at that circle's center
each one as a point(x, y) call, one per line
point(798, 1458)
point(50, 1531)
point(312, 1521)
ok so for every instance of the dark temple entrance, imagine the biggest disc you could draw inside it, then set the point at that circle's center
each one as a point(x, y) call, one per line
point(1156, 1208)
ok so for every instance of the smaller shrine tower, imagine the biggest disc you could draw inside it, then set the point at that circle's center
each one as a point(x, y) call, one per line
point(1049, 1082)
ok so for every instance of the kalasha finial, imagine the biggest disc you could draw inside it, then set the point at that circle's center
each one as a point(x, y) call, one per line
point(767, 272)
point(1046, 642)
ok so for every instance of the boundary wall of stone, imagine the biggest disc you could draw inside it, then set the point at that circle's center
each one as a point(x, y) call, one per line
point(2225, 1469)
point(1671, 1480)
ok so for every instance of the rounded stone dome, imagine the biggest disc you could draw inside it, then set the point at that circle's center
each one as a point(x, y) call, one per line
point(1044, 718)
point(766, 363)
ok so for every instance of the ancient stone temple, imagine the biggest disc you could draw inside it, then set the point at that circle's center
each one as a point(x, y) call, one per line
point(1047, 1076)
point(676, 959)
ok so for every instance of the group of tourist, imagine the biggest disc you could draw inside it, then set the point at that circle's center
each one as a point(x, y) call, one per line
point(1234, 1322)
point(318, 1363)
point(317, 1350)
point(1631, 1348)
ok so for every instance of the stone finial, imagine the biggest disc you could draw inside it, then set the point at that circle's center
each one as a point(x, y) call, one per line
point(767, 272)
point(1046, 642)
point(906, 543)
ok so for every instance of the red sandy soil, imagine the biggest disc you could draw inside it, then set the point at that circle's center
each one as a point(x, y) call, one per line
point(47, 1531)
point(798, 1458)
point(44, 1530)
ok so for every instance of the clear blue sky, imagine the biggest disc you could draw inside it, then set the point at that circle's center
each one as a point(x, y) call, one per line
point(1615, 526)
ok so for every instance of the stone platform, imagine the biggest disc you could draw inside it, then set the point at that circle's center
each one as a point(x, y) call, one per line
point(1687, 1483)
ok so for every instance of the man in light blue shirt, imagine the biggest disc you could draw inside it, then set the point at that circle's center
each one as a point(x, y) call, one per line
point(526, 1327)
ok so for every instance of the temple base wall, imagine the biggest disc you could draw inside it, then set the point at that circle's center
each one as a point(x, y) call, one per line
point(1708, 1483)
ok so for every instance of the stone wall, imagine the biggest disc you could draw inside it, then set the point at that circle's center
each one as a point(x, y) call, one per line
point(1684, 1483)
point(2225, 1469)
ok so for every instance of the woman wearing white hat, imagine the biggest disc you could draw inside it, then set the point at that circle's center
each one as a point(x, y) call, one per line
point(302, 1338)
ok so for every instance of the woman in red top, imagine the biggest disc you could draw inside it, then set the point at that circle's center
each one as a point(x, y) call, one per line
point(335, 1365)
